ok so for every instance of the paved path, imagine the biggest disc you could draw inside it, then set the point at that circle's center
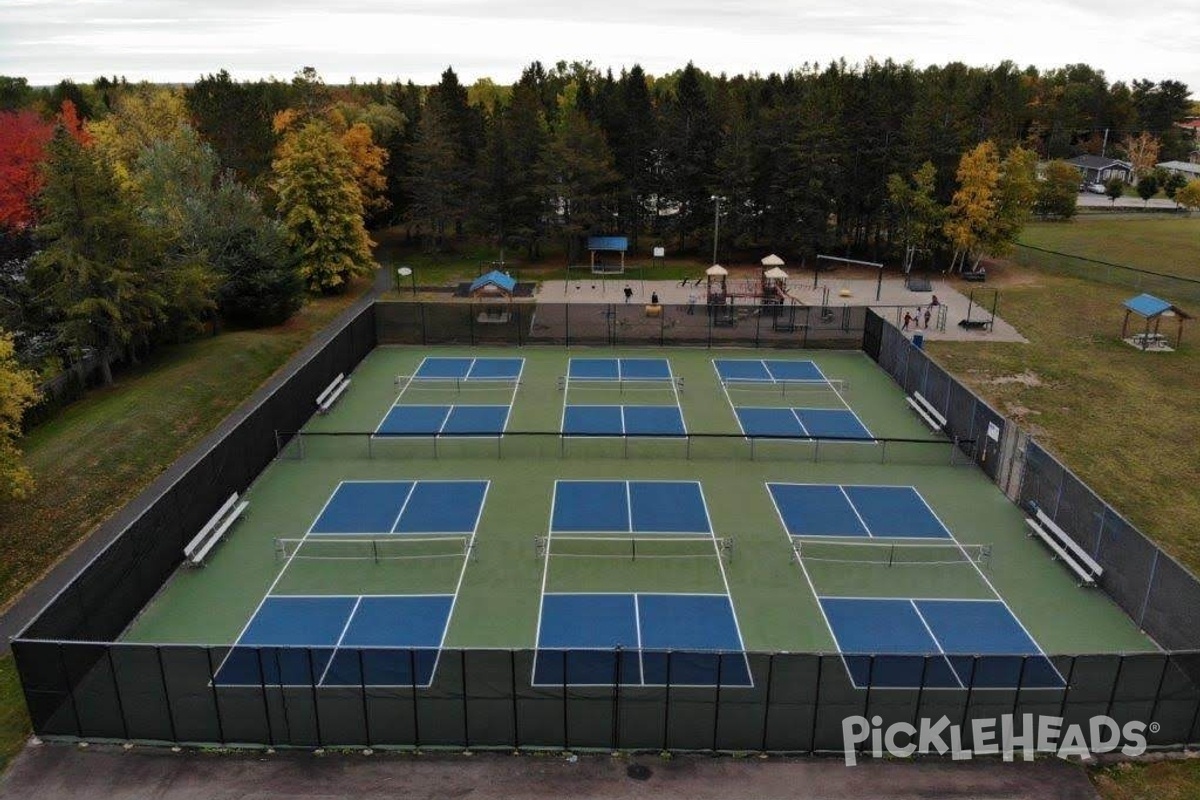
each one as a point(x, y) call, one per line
point(66, 773)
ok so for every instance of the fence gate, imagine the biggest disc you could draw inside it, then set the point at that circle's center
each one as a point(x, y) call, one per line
point(1012, 461)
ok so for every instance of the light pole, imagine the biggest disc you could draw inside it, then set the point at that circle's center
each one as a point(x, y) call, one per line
point(716, 198)
point(404, 272)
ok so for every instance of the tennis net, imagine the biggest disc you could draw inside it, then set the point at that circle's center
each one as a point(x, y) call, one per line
point(377, 548)
point(891, 554)
point(622, 385)
point(633, 548)
point(413, 383)
point(833, 389)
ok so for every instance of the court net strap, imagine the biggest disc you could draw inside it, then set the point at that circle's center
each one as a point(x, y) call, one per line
point(633, 548)
point(890, 554)
point(375, 548)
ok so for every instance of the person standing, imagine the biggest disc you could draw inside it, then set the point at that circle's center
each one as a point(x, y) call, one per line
point(907, 320)
point(927, 315)
point(628, 293)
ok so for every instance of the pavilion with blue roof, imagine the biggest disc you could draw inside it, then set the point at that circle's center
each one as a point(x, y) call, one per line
point(492, 284)
point(1153, 310)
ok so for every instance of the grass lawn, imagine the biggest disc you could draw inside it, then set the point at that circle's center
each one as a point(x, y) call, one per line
point(1169, 244)
point(1167, 780)
point(1123, 420)
point(101, 451)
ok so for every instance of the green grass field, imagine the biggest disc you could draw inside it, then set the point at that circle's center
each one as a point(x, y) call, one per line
point(101, 451)
point(1169, 244)
point(498, 602)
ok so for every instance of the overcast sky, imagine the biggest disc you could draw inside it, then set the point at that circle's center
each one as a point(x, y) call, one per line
point(176, 41)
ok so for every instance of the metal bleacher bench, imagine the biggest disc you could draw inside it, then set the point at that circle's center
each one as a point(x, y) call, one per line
point(933, 418)
point(333, 391)
point(214, 529)
point(1065, 548)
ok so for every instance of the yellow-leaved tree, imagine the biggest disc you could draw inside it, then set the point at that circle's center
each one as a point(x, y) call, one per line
point(17, 393)
point(994, 201)
point(321, 205)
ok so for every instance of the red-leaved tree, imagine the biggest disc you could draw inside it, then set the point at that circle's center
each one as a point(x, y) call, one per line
point(23, 139)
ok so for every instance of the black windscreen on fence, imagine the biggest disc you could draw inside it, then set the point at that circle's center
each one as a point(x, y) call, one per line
point(794, 702)
point(78, 683)
point(102, 600)
point(614, 324)
point(1159, 595)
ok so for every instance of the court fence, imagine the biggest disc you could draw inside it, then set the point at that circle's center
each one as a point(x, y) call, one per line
point(687, 446)
point(1155, 590)
point(80, 683)
point(616, 324)
point(483, 699)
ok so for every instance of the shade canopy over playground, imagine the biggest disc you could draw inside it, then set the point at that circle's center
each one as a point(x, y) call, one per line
point(772, 261)
point(1153, 310)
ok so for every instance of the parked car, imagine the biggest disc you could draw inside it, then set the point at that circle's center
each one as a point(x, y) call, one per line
point(1096, 188)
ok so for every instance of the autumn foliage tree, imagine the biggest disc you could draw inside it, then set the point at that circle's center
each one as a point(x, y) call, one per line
point(23, 139)
point(18, 392)
point(321, 206)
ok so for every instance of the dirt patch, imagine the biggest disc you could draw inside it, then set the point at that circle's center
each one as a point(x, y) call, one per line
point(1027, 378)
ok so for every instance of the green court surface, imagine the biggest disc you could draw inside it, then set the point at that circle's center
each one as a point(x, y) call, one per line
point(498, 575)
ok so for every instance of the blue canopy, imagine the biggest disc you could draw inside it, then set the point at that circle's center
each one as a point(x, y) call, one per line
point(617, 243)
point(1147, 305)
point(495, 278)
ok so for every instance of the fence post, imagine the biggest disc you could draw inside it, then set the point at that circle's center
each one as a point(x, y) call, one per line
point(1149, 587)
point(412, 674)
point(767, 703)
point(262, 685)
point(512, 674)
point(162, 674)
point(1062, 707)
point(667, 708)
point(566, 725)
point(62, 662)
point(615, 735)
point(212, 685)
point(312, 681)
point(366, 706)
point(962, 723)
point(112, 671)
point(462, 660)
point(1112, 696)
point(1166, 657)
point(424, 332)
point(717, 704)
point(816, 713)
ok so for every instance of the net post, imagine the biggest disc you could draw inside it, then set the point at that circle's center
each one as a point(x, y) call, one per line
point(370, 446)
point(883, 451)
point(375, 550)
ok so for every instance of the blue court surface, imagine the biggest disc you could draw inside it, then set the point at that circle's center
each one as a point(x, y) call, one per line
point(767, 370)
point(802, 423)
point(619, 369)
point(623, 421)
point(402, 507)
point(664, 639)
point(889, 512)
point(414, 420)
point(643, 507)
point(887, 644)
point(470, 369)
point(339, 641)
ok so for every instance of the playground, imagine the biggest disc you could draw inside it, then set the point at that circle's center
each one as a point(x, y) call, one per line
point(894, 298)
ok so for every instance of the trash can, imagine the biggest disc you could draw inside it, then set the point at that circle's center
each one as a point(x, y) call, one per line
point(919, 341)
